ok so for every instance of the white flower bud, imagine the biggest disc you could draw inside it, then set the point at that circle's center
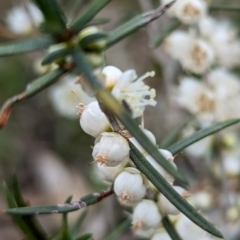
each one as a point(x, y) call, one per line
point(201, 200)
point(169, 157)
point(92, 120)
point(111, 149)
point(138, 146)
point(231, 165)
point(129, 185)
point(146, 215)
point(110, 173)
point(166, 206)
point(161, 236)
point(190, 11)
point(112, 75)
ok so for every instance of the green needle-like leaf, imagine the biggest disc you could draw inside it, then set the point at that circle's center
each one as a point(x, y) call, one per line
point(122, 227)
point(17, 219)
point(94, 7)
point(62, 208)
point(224, 7)
point(24, 46)
point(87, 236)
point(135, 24)
point(78, 223)
point(173, 136)
point(163, 34)
point(30, 221)
point(169, 192)
point(55, 20)
point(31, 90)
point(170, 228)
point(185, 142)
point(53, 56)
point(97, 21)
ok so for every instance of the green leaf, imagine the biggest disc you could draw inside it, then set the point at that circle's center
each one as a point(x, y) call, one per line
point(97, 21)
point(48, 209)
point(43, 82)
point(30, 221)
point(167, 224)
point(55, 20)
point(93, 8)
point(169, 192)
point(78, 223)
point(24, 46)
point(87, 236)
point(17, 219)
point(53, 56)
point(132, 126)
point(122, 227)
point(224, 7)
point(185, 142)
point(62, 208)
point(164, 33)
point(135, 24)
point(173, 136)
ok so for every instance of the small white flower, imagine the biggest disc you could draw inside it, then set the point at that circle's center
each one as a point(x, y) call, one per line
point(135, 92)
point(231, 165)
point(110, 173)
point(166, 206)
point(146, 215)
point(62, 97)
point(92, 120)
point(168, 156)
point(138, 146)
point(144, 233)
point(110, 149)
point(190, 11)
point(129, 186)
point(39, 69)
point(207, 26)
point(177, 43)
point(112, 75)
point(20, 22)
point(161, 236)
point(198, 58)
point(187, 229)
point(201, 200)
point(197, 98)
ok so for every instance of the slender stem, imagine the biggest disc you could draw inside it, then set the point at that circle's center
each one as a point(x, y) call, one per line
point(224, 8)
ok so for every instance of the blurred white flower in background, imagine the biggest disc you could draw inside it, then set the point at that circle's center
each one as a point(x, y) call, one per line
point(20, 20)
point(66, 95)
point(190, 11)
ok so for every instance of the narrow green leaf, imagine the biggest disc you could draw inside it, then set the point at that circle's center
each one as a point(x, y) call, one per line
point(43, 82)
point(112, 104)
point(169, 192)
point(122, 227)
point(24, 46)
point(30, 221)
point(55, 20)
point(87, 236)
point(173, 136)
point(185, 142)
point(17, 219)
point(97, 21)
point(78, 223)
point(135, 24)
point(53, 56)
point(224, 7)
point(132, 126)
point(163, 34)
point(170, 228)
point(94, 7)
point(62, 208)
point(48, 209)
